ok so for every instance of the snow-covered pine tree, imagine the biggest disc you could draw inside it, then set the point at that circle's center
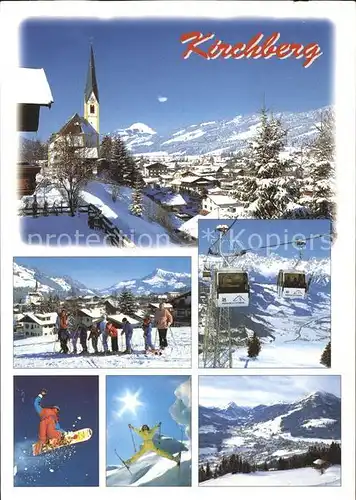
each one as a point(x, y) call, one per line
point(254, 346)
point(126, 302)
point(268, 187)
point(321, 170)
point(106, 148)
point(119, 161)
point(137, 183)
point(326, 356)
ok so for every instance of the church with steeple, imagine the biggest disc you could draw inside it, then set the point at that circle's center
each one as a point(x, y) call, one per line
point(83, 131)
point(91, 95)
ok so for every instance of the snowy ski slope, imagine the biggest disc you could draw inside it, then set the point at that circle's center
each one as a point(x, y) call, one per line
point(43, 352)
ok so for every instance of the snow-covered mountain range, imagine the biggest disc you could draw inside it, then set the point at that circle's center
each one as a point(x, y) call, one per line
point(216, 136)
point(159, 281)
point(27, 277)
point(269, 431)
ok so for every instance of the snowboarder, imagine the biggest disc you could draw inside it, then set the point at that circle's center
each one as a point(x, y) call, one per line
point(112, 330)
point(49, 428)
point(104, 334)
point(148, 445)
point(147, 334)
point(63, 333)
point(127, 329)
point(93, 336)
point(163, 320)
point(83, 336)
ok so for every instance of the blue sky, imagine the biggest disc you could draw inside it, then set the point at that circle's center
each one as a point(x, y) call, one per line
point(261, 389)
point(255, 233)
point(102, 272)
point(156, 393)
point(77, 396)
point(137, 61)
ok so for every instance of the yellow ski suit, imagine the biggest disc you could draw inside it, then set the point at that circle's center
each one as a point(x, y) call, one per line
point(148, 445)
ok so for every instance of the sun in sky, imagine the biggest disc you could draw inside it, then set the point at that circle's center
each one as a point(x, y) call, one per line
point(129, 403)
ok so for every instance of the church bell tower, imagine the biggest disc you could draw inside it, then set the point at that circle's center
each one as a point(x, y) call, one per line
point(91, 94)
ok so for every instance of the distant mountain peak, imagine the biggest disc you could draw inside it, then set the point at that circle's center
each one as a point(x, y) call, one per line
point(141, 128)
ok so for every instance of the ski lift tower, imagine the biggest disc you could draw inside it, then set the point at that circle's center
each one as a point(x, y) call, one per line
point(215, 352)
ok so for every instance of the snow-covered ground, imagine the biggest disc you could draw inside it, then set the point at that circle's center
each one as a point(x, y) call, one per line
point(152, 470)
point(295, 477)
point(43, 352)
point(66, 230)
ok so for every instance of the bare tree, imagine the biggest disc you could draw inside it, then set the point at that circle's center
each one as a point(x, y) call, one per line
point(32, 151)
point(72, 170)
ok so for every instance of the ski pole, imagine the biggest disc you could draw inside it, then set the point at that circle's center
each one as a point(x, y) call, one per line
point(133, 440)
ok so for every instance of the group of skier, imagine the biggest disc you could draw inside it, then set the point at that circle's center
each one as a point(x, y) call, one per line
point(70, 331)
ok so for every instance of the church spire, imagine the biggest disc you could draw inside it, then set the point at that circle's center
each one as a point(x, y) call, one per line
point(91, 85)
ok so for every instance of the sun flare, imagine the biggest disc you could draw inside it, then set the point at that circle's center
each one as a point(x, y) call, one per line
point(130, 402)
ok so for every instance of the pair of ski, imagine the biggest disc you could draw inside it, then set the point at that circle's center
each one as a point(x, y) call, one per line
point(128, 468)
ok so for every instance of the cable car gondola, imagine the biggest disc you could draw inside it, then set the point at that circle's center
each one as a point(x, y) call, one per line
point(292, 284)
point(232, 288)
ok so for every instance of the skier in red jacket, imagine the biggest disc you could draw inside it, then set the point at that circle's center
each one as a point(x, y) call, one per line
point(49, 428)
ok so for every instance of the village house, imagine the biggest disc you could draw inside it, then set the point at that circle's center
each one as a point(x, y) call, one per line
point(34, 297)
point(182, 309)
point(195, 184)
point(32, 91)
point(156, 169)
point(36, 325)
point(217, 203)
point(89, 316)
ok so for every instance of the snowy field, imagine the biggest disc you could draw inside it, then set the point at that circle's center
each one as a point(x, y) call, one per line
point(43, 352)
point(66, 230)
point(295, 477)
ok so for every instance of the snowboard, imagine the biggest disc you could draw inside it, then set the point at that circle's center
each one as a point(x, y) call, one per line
point(71, 437)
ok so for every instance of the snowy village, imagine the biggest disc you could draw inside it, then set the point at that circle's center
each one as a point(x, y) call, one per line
point(134, 187)
point(60, 322)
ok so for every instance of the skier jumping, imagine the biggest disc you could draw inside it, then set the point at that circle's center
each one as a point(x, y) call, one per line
point(148, 445)
point(49, 428)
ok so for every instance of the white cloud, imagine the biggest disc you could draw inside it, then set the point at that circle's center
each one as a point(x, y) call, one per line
point(162, 99)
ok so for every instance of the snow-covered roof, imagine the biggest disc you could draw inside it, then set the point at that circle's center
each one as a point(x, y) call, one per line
point(214, 190)
point(191, 226)
point(40, 319)
point(30, 86)
point(176, 182)
point(173, 199)
point(119, 317)
point(92, 313)
point(167, 306)
point(221, 200)
point(147, 180)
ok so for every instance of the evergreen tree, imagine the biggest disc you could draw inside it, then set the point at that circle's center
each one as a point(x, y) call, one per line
point(106, 148)
point(126, 302)
point(326, 356)
point(137, 183)
point(120, 160)
point(321, 170)
point(208, 472)
point(254, 346)
point(268, 187)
